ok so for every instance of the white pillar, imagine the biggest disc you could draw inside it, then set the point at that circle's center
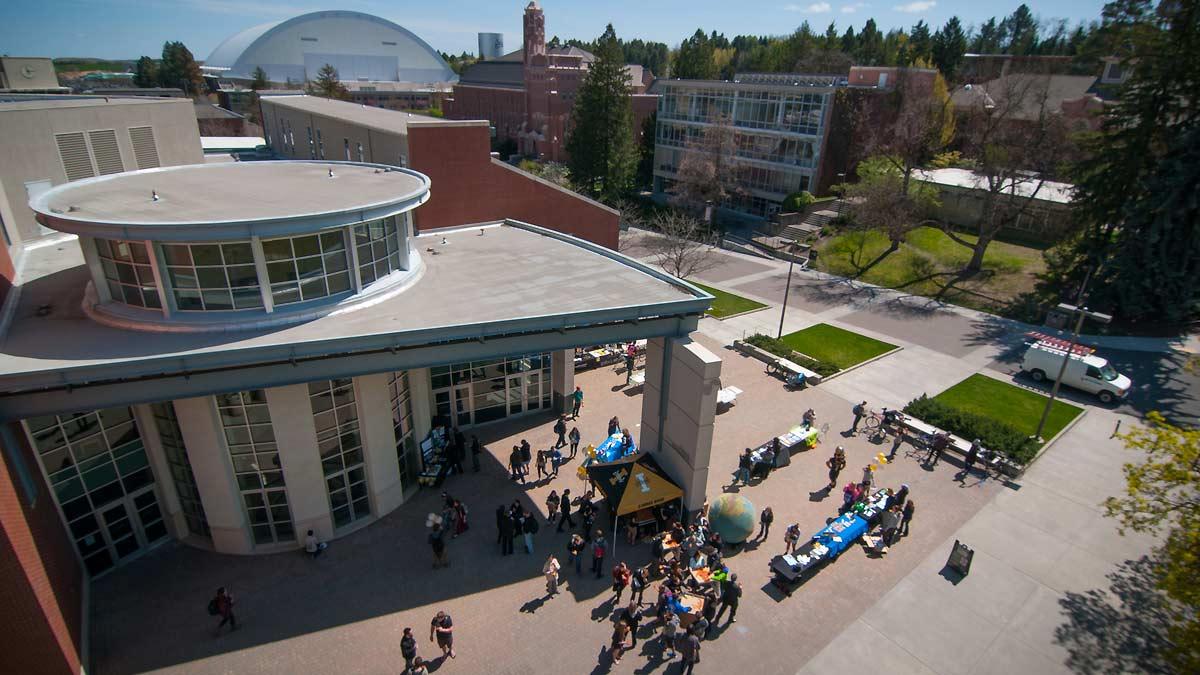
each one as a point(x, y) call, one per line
point(562, 378)
point(296, 436)
point(679, 406)
point(209, 457)
point(379, 443)
point(163, 478)
point(420, 391)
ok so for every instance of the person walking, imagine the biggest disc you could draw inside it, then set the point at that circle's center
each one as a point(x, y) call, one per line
point(599, 550)
point(970, 459)
point(764, 523)
point(574, 437)
point(745, 463)
point(529, 527)
point(408, 649)
point(689, 647)
point(577, 402)
point(526, 456)
point(620, 576)
point(565, 505)
point(909, 509)
point(476, 451)
point(889, 523)
point(731, 595)
point(437, 542)
point(617, 646)
point(859, 411)
point(868, 479)
point(835, 464)
point(791, 537)
point(940, 442)
point(443, 629)
point(575, 553)
point(222, 606)
point(670, 632)
point(541, 465)
point(552, 507)
point(458, 451)
point(630, 361)
point(550, 570)
point(460, 517)
point(560, 428)
point(632, 616)
point(313, 546)
point(514, 464)
point(638, 584)
point(897, 440)
point(900, 497)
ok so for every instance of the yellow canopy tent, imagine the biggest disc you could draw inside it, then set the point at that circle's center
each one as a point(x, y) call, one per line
point(633, 483)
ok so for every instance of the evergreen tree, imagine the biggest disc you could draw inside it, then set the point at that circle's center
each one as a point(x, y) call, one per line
point(694, 61)
point(949, 46)
point(870, 45)
point(645, 168)
point(1137, 190)
point(603, 158)
point(850, 41)
point(920, 44)
point(1022, 32)
point(987, 40)
point(178, 68)
point(831, 42)
point(145, 73)
point(327, 84)
point(260, 79)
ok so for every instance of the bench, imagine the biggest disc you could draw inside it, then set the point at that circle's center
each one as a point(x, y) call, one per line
point(638, 379)
point(728, 395)
point(924, 433)
point(784, 365)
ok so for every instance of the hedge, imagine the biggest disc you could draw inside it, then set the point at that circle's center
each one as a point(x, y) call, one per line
point(994, 435)
point(778, 348)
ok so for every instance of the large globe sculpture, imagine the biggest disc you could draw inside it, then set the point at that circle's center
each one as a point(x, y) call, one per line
point(732, 517)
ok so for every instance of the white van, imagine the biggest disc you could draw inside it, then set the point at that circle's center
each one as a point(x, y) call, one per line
point(1085, 370)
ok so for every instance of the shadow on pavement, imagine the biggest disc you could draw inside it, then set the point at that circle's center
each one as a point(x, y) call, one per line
point(1122, 629)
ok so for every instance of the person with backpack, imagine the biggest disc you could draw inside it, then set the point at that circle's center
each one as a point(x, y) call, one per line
point(860, 411)
point(560, 428)
point(222, 606)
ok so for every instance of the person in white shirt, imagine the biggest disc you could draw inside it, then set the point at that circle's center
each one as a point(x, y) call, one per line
point(313, 546)
point(550, 569)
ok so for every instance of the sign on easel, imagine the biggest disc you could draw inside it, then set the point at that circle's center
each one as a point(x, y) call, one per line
point(960, 558)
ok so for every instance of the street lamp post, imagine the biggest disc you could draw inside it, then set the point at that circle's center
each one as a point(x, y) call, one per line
point(1081, 313)
point(787, 288)
point(842, 196)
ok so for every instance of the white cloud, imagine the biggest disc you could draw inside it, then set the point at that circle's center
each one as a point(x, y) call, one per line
point(914, 7)
point(814, 8)
point(852, 8)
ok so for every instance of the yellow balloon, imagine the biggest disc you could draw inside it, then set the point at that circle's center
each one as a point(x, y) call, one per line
point(581, 472)
point(883, 460)
point(872, 467)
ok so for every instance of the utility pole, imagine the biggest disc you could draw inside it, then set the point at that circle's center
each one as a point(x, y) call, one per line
point(787, 288)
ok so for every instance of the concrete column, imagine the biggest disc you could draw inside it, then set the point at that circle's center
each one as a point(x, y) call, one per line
point(209, 457)
point(163, 478)
point(379, 442)
point(562, 379)
point(679, 407)
point(421, 393)
point(296, 435)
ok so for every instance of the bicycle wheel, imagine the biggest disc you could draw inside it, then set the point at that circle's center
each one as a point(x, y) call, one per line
point(871, 423)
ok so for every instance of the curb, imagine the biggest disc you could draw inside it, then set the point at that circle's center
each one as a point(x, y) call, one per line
point(860, 364)
point(1046, 446)
point(734, 316)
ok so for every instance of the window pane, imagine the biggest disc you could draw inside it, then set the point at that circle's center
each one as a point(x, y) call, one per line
point(236, 254)
point(177, 254)
point(247, 298)
point(339, 283)
point(281, 271)
point(188, 300)
point(206, 254)
point(243, 275)
point(335, 262)
point(217, 300)
point(332, 241)
point(277, 249)
point(314, 288)
point(211, 277)
point(306, 246)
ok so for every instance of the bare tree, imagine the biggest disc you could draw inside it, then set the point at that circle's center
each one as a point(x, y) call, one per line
point(708, 173)
point(1017, 143)
point(630, 215)
point(680, 247)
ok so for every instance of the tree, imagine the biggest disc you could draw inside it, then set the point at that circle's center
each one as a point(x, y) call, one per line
point(987, 40)
point(1163, 493)
point(1022, 31)
point(708, 174)
point(949, 46)
point(178, 68)
point(1017, 143)
point(920, 44)
point(645, 168)
point(1133, 195)
point(882, 200)
point(680, 249)
point(327, 84)
point(603, 158)
point(145, 73)
point(869, 51)
point(694, 61)
point(259, 81)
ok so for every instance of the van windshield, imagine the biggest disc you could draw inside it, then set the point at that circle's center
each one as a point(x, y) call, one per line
point(1108, 373)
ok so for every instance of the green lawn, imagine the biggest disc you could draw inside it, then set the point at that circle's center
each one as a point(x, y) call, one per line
point(830, 344)
point(924, 262)
point(1004, 402)
point(727, 304)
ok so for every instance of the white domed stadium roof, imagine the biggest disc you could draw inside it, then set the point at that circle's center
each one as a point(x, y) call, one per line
point(361, 46)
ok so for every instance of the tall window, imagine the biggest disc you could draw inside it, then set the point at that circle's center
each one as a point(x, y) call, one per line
point(346, 147)
point(308, 267)
point(360, 152)
point(129, 272)
point(96, 462)
point(340, 445)
point(402, 427)
point(378, 249)
point(312, 152)
point(210, 277)
point(320, 145)
point(255, 457)
point(181, 468)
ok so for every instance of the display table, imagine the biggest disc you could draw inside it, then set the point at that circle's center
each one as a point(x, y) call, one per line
point(702, 575)
point(610, 450)
point(788, 571)
point(800, 438)
point(689, 607)
point(838, 535)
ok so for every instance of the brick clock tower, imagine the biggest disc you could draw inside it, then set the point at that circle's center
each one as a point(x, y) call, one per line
point(537, 104)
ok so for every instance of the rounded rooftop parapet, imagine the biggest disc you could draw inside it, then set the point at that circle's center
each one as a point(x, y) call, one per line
point(220, 202)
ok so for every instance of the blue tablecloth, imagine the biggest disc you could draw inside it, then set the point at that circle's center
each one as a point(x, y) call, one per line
point(848, 528)
point(610, 449)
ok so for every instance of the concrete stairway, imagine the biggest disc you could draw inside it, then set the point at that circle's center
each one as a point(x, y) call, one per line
point(810, 227)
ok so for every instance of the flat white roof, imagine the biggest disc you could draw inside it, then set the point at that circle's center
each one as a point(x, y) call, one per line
point(1049, 191)
point(391, 121)
point(223, 143)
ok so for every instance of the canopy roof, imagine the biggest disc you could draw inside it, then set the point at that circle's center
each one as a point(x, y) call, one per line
point(633, 483)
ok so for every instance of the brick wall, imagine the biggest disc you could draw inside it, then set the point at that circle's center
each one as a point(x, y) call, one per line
point(470, 187)
point(41, 581)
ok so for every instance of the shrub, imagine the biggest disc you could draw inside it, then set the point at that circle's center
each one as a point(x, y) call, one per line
point(798, 201)
point(994, 435)
point(778, 348)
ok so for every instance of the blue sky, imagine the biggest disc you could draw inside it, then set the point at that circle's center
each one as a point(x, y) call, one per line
point(129, 28)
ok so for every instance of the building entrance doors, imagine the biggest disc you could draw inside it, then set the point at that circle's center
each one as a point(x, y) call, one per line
point(131, 524)
point(454, 405)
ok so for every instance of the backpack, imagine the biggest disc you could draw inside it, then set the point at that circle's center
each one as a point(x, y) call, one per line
point(533, 525)
point(213, 610)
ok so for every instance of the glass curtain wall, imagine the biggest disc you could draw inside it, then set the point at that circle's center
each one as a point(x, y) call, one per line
point(255, 457)
point(407, 453)
point(340, 444)
point(128, 270)
point(181, 467)
point(484, 391)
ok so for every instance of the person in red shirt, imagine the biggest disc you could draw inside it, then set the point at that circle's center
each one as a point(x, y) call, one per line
point(621, 576)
